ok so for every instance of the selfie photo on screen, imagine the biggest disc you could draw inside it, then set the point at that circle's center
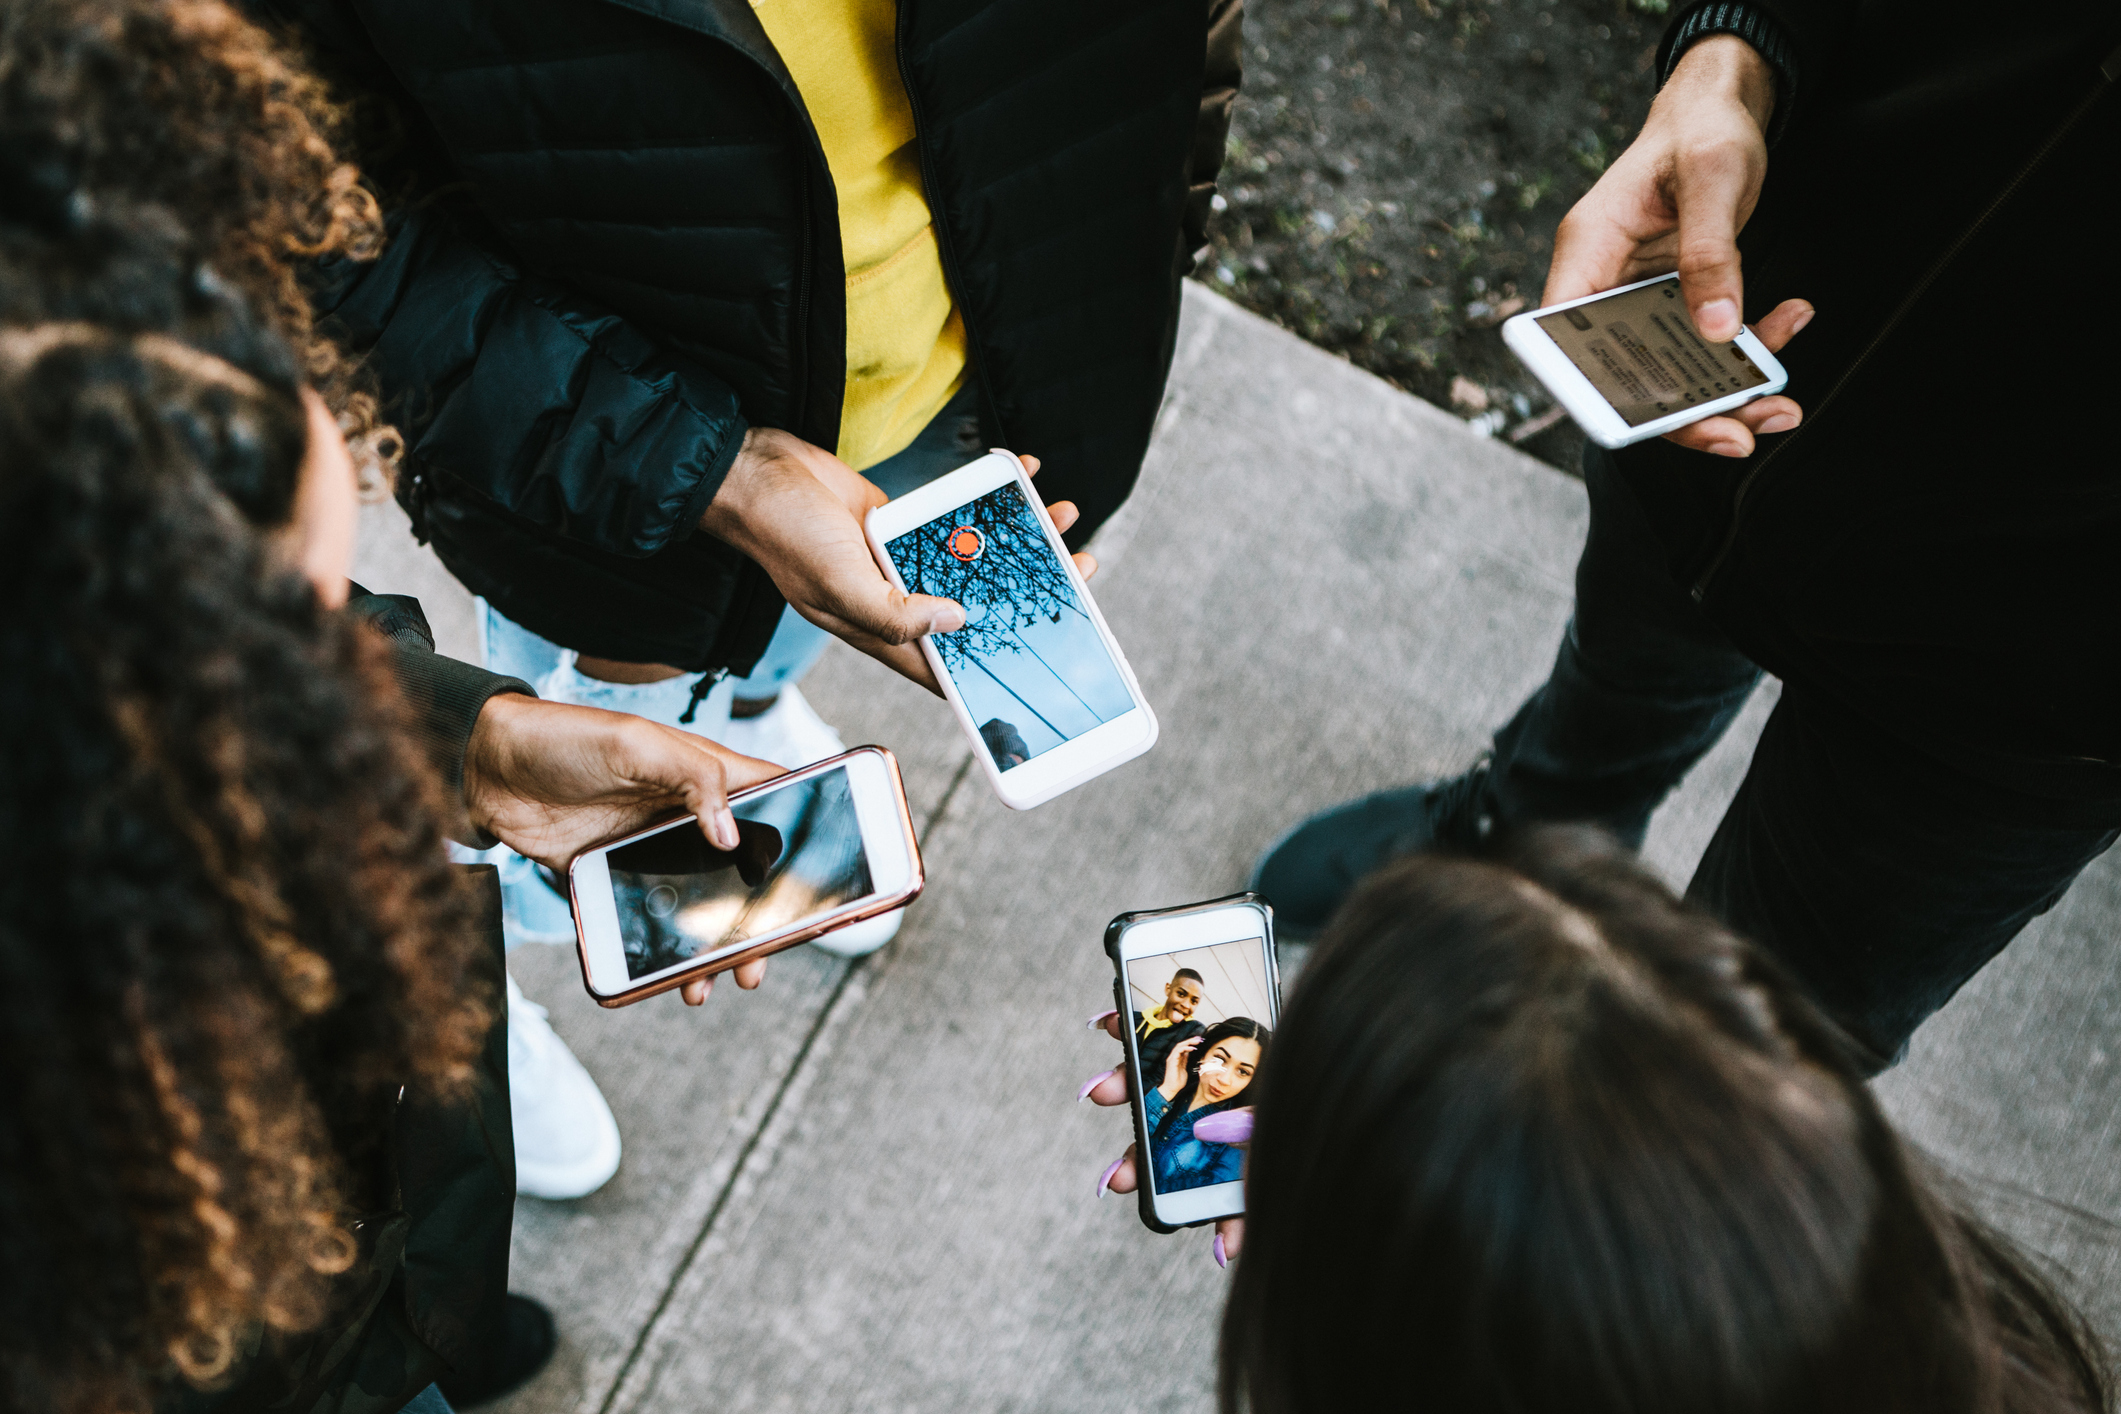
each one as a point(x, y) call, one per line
point(1198, 1026)
point(799, 854)
point(1028, 663)
point(1640, 351)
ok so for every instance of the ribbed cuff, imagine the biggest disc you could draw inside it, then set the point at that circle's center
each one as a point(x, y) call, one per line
point(1751, 24)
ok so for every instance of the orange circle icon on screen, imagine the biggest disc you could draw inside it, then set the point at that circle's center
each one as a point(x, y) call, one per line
point(966, 543)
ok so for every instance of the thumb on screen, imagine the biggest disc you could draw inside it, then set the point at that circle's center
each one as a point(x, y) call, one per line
point(1712, 187)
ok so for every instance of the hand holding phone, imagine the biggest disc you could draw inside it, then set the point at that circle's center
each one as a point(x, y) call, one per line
point(1034, 676)
point(816, 849)
point(1629, 365)
point(1199, 996)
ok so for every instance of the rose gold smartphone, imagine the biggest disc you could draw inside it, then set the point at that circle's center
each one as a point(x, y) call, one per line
point(819, 848)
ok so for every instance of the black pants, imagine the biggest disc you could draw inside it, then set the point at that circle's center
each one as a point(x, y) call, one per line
point(1881, 876)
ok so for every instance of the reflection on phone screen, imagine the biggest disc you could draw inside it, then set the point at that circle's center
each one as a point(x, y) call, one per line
point(1641, 353)
point(1200, 1028)
point(1028, 663)
point(799, 853)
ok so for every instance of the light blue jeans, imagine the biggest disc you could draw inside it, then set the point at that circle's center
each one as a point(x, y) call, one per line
point(950, 439)
point(428, 1401)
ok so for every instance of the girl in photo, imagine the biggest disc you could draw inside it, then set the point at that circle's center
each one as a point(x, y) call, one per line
point(1204, 1076)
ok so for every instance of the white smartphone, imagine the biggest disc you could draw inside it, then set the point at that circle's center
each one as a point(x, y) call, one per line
point(820, 848)
point(1035, 677)
point(1199, 991)
point(1628, 366)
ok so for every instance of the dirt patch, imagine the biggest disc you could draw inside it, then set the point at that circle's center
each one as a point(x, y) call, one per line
point(1396, 171)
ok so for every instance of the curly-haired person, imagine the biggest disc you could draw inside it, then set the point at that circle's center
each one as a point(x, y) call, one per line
point(546, 777)
point(232, 956)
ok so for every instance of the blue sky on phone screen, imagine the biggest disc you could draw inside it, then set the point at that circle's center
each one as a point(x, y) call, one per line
point(1029, 663)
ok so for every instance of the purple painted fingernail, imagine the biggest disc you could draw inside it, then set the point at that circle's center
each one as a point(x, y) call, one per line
point(1094, 1082)
point(1229, 1127)
point(1222, 1258)
point(1094, 1022)
point(1106, 1177)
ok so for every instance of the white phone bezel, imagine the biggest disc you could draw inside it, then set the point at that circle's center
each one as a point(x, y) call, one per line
point(879, 811)
point(1155, 937)
point(1581, 398)
point(1079, 759)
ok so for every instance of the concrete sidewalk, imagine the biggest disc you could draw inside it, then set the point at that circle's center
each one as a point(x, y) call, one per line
point(867, 1187)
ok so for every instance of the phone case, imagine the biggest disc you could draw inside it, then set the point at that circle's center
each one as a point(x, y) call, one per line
point(1114, 931)
point(884, 904)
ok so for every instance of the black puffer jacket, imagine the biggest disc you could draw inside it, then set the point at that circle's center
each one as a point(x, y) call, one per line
point(648, 263)
point(1938, 548)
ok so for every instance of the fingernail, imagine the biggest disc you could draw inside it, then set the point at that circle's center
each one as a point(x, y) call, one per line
point(1094, 1022)
point(1222, 1258)
point(1229, 1127)
point(1781, 422)
point(948, 620)
point(1717, 314)
point(1095, 1081)
point(1729, 449)
point(1106, 1177)
point(725, 833)
point(1797, 324)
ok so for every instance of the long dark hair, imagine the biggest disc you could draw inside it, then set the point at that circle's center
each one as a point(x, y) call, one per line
point(228, 933)
point(1215, 1035)
point(1601, 1156)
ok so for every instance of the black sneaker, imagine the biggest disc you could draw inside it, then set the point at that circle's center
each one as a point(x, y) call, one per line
point(527, 1346)
point(1310, 871)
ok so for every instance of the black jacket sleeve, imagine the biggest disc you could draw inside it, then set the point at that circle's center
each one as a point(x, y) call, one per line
point(528, 395)
point(1796, 37)
point(445, 695)
point(1225, 71)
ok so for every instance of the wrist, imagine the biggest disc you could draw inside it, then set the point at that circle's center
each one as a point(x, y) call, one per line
point(757, 461)
point(1727, 68)
point(486, 753)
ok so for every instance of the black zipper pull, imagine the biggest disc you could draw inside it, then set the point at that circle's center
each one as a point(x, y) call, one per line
point(706, 684)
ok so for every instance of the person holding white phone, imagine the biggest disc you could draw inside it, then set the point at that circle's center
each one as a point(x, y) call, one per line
point(774, 256)
point(1915, 538)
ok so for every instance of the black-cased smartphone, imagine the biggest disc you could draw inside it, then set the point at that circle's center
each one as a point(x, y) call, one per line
point(1198, 982)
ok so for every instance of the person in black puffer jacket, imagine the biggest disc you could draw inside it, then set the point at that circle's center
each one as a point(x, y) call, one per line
point(638, 318)
point(1918, 539)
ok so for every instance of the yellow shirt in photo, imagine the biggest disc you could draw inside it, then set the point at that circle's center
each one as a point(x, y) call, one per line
point(905, 340)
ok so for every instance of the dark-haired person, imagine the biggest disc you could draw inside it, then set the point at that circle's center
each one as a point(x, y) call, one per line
point(1602, 1156)
point(1926, 567)
point(1170, 1021)
point(719, 278)
point(1204, 1076)
point(163, 163)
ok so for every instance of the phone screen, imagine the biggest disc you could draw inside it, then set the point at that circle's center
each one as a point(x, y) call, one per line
point(1030, 665)
point(1201, 1029)
point(1641, 353)
point(799, 853)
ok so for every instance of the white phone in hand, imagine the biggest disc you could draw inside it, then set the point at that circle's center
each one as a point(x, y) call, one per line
point(1035, 677)
point(819, 848)
point(1628, 364)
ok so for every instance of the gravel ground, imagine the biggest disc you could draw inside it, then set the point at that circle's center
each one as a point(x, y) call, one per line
point(1396, 171)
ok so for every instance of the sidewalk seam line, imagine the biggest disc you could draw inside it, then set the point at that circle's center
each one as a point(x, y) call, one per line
point(758, 1134)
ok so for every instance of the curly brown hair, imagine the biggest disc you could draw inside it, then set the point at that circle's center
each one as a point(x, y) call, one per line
point(228, 933)
point(187, 104)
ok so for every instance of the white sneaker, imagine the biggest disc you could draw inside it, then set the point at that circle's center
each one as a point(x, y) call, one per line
point(790, 733)
point(567, 1143)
